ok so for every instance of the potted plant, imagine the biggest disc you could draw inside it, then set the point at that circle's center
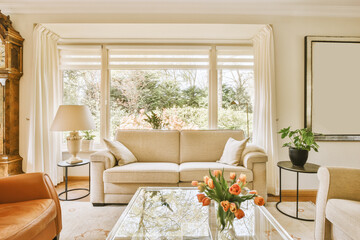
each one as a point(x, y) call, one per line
point(87, 142)
point(301, 142)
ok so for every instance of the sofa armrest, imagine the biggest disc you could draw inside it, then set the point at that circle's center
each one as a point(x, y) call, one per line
point(338, 182)
point(334, 182)
point(100, 161)
point(254, 157)
point(104, 157)
point(30, 186)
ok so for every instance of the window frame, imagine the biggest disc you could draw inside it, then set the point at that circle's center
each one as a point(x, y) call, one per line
point(106, 80)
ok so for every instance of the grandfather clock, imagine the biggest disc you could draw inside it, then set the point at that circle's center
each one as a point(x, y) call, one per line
point(11, 53)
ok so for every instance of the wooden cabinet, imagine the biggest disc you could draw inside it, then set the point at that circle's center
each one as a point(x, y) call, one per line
point(11, 70)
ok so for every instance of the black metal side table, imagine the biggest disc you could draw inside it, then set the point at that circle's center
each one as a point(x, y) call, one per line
point(307, 168)
point(66, 165)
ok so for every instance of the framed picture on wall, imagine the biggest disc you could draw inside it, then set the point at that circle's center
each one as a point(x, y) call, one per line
point(332, 87)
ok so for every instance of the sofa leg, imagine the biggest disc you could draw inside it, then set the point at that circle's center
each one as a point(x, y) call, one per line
point(98, 204)
point(57, 237)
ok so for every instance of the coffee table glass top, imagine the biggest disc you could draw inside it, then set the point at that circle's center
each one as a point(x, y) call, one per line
point(175, 213)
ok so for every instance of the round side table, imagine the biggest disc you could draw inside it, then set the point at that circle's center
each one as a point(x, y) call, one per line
point(307, 168)
point(66, 165)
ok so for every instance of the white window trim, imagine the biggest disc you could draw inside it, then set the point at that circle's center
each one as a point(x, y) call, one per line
point(106, 80)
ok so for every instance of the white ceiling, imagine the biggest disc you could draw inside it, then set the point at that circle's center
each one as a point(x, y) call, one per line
point(165, 32)
point(345, 8)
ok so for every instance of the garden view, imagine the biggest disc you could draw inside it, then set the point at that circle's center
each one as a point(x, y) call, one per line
point(179, 98)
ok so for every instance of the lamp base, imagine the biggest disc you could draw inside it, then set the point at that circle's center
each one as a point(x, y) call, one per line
point(73, 144)
point(73, 160)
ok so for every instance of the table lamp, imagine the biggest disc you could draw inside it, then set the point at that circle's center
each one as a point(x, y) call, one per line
point(73, 118)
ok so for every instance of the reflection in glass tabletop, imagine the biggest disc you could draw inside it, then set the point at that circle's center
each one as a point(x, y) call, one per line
point(175, 213)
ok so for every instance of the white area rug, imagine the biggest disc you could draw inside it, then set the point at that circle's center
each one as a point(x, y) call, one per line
point(83, 221)
point(299, 230)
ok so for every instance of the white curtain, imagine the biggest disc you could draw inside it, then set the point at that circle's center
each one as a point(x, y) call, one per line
point(45, 146)
point(264, 123)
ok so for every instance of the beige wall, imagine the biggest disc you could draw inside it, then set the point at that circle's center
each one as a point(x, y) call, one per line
point(289, 53)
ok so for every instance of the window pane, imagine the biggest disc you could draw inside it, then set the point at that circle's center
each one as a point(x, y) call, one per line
point(178, 97)
point(236, 94)
point(82, 87)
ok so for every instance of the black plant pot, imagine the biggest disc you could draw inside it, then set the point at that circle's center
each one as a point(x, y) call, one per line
point(298, 157)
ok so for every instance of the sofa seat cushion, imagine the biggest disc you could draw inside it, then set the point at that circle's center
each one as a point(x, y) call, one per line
point(143, 172)
point(344, 214)
point(25, 220)
point(131, 188)
point(195, 171)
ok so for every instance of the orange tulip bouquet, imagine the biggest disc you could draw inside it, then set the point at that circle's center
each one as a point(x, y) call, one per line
point(227, 196)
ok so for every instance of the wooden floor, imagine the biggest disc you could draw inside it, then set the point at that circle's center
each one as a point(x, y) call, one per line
point(288, 195)
point(272, 198)
point(74, 194)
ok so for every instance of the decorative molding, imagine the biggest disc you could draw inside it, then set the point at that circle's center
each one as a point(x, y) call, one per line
point(336, 8)
point(114, 41)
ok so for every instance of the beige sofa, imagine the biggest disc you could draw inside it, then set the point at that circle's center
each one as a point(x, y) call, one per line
point(338, 204)
point(169, 158)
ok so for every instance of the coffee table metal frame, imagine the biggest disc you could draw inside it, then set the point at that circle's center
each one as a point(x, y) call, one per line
point(66, 165)
point(307, 168)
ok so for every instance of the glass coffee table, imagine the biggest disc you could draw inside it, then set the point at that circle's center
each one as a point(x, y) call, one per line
point(175, 213)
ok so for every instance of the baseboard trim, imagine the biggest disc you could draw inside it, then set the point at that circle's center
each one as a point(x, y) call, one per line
point(302, 193)
point(77, 178)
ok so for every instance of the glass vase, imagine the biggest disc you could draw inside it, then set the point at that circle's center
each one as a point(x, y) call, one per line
point(226, 232)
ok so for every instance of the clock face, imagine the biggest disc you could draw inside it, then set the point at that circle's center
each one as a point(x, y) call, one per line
point(2, 56)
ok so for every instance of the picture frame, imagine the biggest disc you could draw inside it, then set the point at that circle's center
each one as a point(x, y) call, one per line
point(332, 80)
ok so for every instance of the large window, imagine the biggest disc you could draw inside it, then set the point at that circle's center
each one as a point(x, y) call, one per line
point(186, 87)
point(81, 74)
point(170, 82)
point(179, 97)
point(235, 89)
point(83, 87)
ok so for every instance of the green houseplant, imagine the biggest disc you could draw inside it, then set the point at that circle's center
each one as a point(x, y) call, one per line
point(301, 142)
point(87, 142)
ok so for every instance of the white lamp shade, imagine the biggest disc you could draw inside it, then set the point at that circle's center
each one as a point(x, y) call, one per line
point(73, 118)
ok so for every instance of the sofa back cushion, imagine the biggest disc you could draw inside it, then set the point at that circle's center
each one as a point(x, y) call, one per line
point(151, 145)
point(205, 145)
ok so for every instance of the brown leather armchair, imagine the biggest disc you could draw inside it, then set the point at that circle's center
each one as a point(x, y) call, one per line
point(29, 208)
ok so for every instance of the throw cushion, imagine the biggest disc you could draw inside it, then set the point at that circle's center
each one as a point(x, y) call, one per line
point(122, 154)
point(233, 151)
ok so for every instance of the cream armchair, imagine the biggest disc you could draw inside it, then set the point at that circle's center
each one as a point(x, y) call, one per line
point(29, 208)
point(338, 204)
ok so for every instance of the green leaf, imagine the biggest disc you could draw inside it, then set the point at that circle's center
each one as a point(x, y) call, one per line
point(300, 138)
point(221, 215)
point(223, 181)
